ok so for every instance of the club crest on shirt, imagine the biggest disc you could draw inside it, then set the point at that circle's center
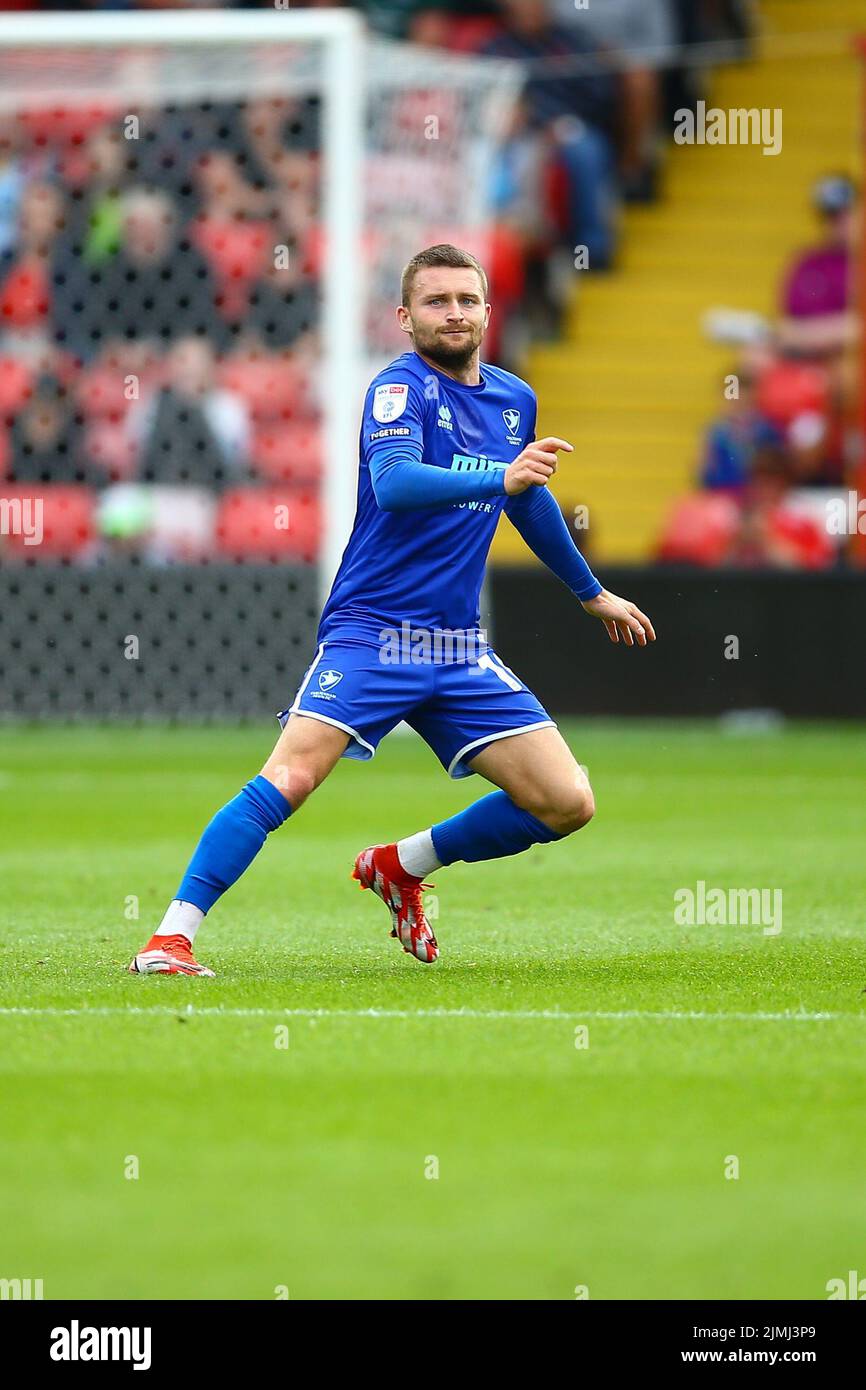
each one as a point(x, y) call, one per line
point(512, 424)
point(389, 401)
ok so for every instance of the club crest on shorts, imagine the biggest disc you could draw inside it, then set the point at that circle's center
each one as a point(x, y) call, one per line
point(389, 401)
point(328, 679)
point(512, 424)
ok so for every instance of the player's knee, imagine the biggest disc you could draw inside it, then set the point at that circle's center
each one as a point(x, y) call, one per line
point(294, 780)
point(571, 809)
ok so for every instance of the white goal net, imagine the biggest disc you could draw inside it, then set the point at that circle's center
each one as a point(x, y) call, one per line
point(203, 223)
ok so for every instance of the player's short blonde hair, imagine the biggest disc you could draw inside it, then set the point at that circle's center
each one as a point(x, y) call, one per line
point(444, 254)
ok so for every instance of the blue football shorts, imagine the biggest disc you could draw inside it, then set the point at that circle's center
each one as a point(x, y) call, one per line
point(458, 707)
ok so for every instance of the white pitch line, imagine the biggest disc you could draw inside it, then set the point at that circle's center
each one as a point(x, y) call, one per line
point(193, 1011)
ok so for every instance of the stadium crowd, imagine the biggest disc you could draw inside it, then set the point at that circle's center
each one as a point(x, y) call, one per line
point(159, 295)
point(781, 452)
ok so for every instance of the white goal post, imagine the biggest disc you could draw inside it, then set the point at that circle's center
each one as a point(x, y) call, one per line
point(386, 174)
point(341, 34)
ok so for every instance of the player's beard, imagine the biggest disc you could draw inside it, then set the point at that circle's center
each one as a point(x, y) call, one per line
point(437, 347)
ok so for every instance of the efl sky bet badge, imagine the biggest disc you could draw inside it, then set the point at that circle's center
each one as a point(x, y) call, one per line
point(389, 401)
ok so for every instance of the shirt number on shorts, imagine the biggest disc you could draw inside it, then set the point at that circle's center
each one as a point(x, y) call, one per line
point(488, 664)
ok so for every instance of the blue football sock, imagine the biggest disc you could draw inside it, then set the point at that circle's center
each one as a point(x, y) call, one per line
point(489, 829)
point(231, 842)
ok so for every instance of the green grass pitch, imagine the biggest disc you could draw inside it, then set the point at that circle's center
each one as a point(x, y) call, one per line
point(312, 1168)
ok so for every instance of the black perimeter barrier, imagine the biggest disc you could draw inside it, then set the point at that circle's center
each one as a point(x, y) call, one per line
point(231, 642)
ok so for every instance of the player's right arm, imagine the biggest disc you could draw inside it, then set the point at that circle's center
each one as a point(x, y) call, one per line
point(392, 447)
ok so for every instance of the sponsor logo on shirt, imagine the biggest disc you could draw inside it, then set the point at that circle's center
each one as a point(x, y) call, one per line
point(390, 433)
point(444, 418)
point(389, 401)
point(475, 463)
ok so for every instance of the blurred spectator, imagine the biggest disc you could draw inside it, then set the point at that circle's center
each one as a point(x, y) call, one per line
point(570, 105)
point(90, 236)
point(284, 311)
point(641, 35)
point(394, 18)
point(25, 271)
point(734, 439)
point(225, 192)
point(817, 299)
point(158, 288)
point(167, 143)
point(772, 532)
point(275, 130)
point(713, 21)
point(93, 220)
point(232, 233)
point(189, 431)
point(636, 29)
point(12, 178)
point(45, 439)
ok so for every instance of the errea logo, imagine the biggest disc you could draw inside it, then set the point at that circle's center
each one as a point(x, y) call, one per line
point(444, 418)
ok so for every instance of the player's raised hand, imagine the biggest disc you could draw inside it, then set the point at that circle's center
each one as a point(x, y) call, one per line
point(621, 618)
point(535, 465)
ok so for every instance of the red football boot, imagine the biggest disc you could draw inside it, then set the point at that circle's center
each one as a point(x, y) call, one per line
point(167, 955)
point(379, 868)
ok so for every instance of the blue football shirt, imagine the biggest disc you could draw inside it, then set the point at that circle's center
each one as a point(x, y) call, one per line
point(426, 565)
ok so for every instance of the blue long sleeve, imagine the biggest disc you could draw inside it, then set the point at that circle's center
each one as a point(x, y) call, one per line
point(402, 482)
point(537, 517)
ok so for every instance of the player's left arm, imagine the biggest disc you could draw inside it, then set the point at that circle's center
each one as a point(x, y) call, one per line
point(621, 617)
point(536, 515)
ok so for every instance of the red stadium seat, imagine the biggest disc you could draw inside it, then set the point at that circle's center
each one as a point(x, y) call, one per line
point(109, 446)
point(100, 393)
point(288, 452)
point(789, 389)
point(16, 380)
point(470, 33)
point(25, 296)
point(699, 530)
point(67, 520)
point(62, 125)
point(806, 540)
point(237, 254)
point(272, 387)
point(555, 194)
point(268, 524)
point(373, 242)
